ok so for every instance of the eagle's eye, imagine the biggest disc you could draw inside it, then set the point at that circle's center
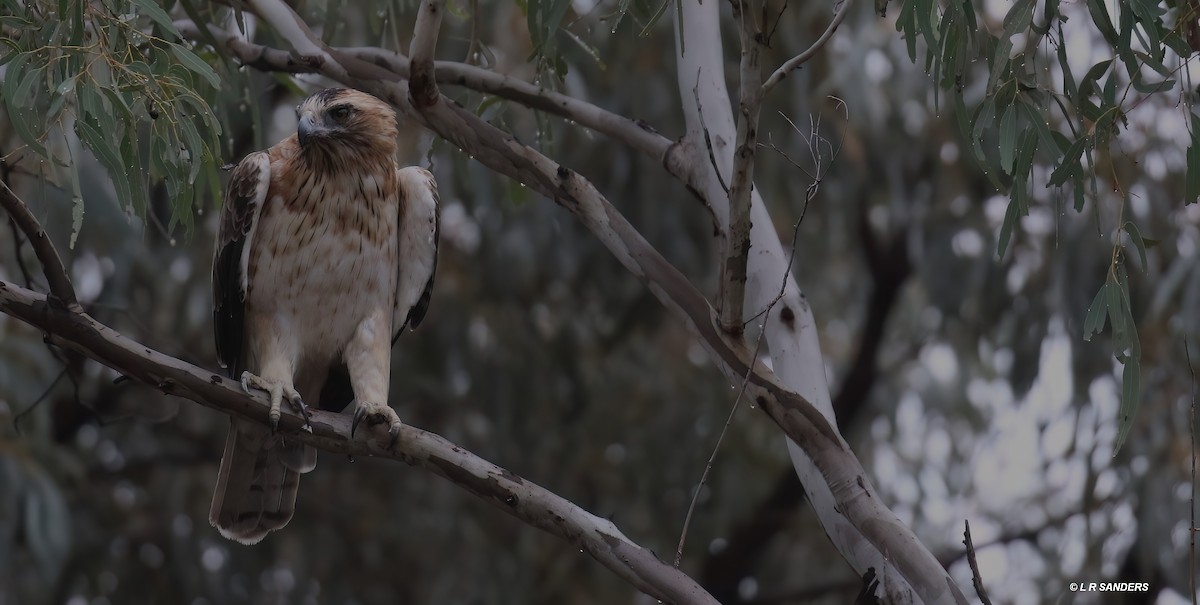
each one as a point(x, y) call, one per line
point(341, 112)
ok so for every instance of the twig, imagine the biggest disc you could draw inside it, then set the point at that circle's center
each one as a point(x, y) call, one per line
point(820, 169)
point(778, 19)
point(802, 58)
point(52, 267)
point(1192, 424)
point(712, 157)
point(976, 579)
point(515, 495)
point(687, 519)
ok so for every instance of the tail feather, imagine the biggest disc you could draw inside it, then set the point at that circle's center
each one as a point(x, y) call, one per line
point(257, 483)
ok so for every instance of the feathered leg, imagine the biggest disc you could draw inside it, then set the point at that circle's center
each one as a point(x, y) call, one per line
point(368, 357)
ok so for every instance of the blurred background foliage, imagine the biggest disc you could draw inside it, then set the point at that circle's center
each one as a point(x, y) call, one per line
point(962, 378)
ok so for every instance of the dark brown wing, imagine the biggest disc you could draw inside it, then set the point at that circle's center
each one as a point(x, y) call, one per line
point(244, 197)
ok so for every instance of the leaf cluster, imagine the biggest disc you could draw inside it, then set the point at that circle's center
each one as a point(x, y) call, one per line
point(116, 75)
point(1026, 114)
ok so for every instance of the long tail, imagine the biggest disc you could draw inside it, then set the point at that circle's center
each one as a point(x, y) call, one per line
point(257, 484)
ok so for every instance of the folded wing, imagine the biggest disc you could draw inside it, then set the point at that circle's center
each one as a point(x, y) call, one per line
point(418, 247)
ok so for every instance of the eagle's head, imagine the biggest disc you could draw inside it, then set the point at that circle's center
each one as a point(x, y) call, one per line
point(340, 122)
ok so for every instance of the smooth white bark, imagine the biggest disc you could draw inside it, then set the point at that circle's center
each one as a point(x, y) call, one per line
point(791, 332)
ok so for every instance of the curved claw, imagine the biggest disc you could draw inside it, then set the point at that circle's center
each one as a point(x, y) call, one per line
point(394, 433)
point(303, 408)
point(274, 418)
point(359, 413)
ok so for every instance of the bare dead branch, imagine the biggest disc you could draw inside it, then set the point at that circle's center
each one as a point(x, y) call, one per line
point(521, 498)
point(802, 58)
point(63, 293)
point(976, 578)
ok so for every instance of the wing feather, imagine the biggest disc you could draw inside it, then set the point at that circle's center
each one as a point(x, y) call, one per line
point(244, 197)
point(419, 230)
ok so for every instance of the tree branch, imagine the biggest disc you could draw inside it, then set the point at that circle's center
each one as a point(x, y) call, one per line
point(976, 578)
point(423, 87)
point(737, 243)
point(675, 159)
point(910, 565)
point(63, 293)
point(802, 58)
point(795, 350)
point(511, 493)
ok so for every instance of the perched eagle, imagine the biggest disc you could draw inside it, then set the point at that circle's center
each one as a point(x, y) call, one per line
point(326, 252)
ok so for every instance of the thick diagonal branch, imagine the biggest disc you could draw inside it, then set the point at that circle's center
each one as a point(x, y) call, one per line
point(331, 433)
point(52, 266)
point(71, 328)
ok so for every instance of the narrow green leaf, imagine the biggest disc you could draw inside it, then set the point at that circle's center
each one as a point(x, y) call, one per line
point(1008, 139)
point(1038, 121)
point(1175, 42)
point(151, 9)
point(1078, 190)
point(1007, 227)
point(1097, 312)
point(1070, 87)
point(906, 23)
point(1191, 190)
point(1131, 390)
point(1145, 87)
point(927, 11)
point(1135, 237)
point(1103, 21)
point(195, 148)
point(76, 204)
point(983, 117)
point(1109, 93)
point(189, 8)
point(196, 65)
point(1049, 13)
point(21, 100)
point(1116, 318)
point(1153, 63)
point(1018, 18)
point(108, 155)
point(1000, 64)
point(962, 118)
point(1027, 145)
point(1069, 165)
point(131, 158)
point(1088, 84)
point(119, 103)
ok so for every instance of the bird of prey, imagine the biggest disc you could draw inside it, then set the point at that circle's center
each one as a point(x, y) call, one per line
point(326, 252)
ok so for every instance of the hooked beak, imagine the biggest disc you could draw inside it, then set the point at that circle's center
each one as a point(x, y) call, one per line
point(307, 128)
